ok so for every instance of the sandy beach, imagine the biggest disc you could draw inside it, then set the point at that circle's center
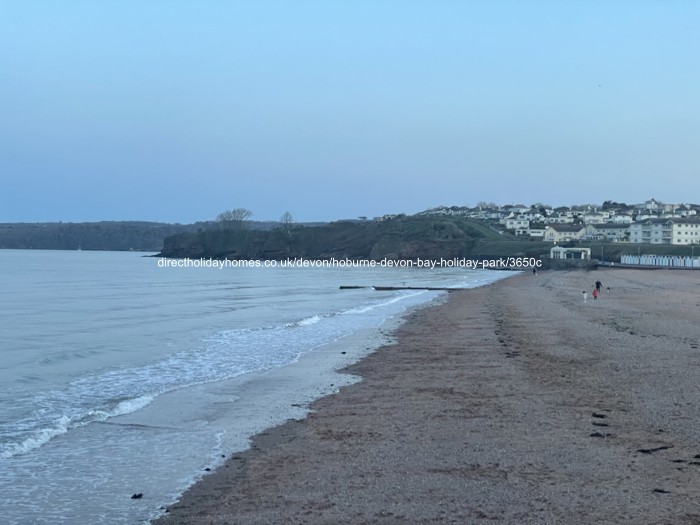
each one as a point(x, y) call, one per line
point(516, 403)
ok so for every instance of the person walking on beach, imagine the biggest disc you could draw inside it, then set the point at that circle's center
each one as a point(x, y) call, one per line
point(598, 286)
point(595, 294)
point(585, 296)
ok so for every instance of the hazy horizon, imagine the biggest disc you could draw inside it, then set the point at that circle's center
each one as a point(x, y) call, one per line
point(175, 111)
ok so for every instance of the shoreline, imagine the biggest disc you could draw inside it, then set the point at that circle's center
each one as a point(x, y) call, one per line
point(250, 404)
point(489, 409)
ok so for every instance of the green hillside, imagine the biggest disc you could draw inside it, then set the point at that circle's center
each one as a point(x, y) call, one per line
point(398, 238)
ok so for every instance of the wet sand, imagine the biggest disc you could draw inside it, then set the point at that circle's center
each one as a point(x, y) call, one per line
point(515, 403)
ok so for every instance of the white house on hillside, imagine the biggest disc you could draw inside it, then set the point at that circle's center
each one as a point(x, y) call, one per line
point(515, 208)
point(559, 218)
point(536, 229)
point(563, 232)
point(516, 223)
point(621, 218)
point(595, 218)
point(608, 231)
point(686, 211)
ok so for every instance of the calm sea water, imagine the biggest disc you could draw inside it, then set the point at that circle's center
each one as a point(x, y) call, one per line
point(113, 371)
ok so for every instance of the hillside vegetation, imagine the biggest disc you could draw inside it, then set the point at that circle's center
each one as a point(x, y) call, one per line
point(400, 238)
point(425, 237)
point(117, 236)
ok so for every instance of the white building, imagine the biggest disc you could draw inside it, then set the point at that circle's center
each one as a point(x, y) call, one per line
point(595, 218)
point(515, 208)
point(569, 253)
point(536, 229)
point(516, 223)
point(666, 231)
point(608, 232)
point(621, 218)
point(559, 218)
point(563, 232)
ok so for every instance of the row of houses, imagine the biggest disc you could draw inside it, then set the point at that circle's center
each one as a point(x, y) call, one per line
point(648, 231)
point(649, 222)
point(608, 212)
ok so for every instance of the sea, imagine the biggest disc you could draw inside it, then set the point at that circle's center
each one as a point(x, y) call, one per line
point(121, 376)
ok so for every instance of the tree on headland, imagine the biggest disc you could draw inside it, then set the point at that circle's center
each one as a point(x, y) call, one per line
point(233, 219)
point(619, 206)
point(287, 222)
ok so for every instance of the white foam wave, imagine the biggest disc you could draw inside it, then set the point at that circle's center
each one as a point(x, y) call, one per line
point(131, 405)
point(368, 308)
point(64, 424)
point(307, 321)
point(37, 439)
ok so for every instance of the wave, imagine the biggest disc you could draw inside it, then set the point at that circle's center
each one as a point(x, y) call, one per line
point(37, 439)
point(222, 356)
point(63, 424)
point(370, 307)
point(308, 321)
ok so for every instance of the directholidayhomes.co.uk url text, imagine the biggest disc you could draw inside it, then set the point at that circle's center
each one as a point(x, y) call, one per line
point(469, 264)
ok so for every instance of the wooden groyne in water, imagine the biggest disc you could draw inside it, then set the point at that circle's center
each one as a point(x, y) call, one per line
point(395, 288)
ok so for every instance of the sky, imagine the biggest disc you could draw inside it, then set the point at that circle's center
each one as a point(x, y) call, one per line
point(171, 110)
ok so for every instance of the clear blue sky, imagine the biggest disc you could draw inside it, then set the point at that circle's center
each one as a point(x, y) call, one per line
point(176, 110)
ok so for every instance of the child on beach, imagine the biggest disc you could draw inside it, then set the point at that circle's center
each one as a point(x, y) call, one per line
point(585, 296)
point(595, 294)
